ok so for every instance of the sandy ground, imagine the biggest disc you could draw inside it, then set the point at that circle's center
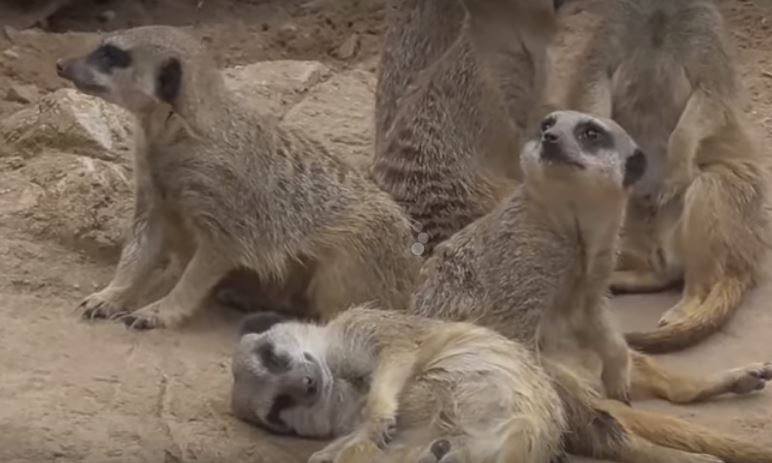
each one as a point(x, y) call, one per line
point(76, 392)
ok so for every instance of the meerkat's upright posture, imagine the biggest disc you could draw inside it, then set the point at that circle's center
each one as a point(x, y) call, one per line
point(390, 387)
point(453, 98)
point(223, 188)
point(665, 71)
point(536, 270)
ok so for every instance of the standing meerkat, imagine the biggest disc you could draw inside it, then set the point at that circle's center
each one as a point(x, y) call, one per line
point(665, 71)
point(536, 270)
point(222, 187)
point(391, 387)
point(453, 97)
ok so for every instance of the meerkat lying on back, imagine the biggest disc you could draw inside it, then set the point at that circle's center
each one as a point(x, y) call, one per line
point(453, 98)
point(393, 388)
point(221, 187)
point(536, 270)
point(665, 71)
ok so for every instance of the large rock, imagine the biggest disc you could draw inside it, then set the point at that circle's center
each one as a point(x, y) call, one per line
point(70, 122)
point(272, 87)
point(339, 112)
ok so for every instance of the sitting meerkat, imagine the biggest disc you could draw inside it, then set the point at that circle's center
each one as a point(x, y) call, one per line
point(457, 83)
point(536, 269)
point(222, 187)
point(391, 387)
point(666, 72)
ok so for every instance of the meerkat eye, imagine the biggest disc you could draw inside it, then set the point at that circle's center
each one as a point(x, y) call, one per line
point(591, 134)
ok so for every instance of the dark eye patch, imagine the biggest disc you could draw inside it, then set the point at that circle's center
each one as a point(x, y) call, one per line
point(275, 363)
point(107, 57)
point(592, 137)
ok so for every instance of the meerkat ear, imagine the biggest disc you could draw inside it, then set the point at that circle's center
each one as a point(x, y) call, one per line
point(635, 166)
point(169, 80)
point(260, 322)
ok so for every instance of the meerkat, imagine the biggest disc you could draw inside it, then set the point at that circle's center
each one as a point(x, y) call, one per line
point(666, 72)
point(390, 387)
point(453, 97)
point(222, 187)
point(536, 270)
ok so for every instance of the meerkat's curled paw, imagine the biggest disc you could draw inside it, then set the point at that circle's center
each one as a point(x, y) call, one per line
point(382, 431)
point(752, 378)
point(101, 304)
point(147, 318)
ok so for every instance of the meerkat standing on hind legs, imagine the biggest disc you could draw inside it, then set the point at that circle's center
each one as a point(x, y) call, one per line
point(222, 188)
point(454, 94)
point(536, 270)
point(665, 71)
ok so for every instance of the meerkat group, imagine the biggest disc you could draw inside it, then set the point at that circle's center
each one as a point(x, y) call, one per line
point(496, 344)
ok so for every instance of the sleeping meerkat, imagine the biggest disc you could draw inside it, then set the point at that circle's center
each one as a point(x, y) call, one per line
point(665, 71)
point(222, 187)
point(536, 270)
point(453, 98)
point(388, 387)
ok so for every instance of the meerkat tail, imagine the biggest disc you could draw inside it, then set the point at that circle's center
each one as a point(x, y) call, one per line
point(697, 324)
point(672, 432)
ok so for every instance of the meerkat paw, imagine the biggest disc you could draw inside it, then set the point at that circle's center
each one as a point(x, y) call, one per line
point(437, 452)
point(382, 431)
point(752, 378)
point(618, 388)
point(146, 318)
point(102, 304)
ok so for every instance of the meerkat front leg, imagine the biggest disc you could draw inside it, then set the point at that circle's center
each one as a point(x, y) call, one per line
point(205, 269)
point(141, 254)
point(610, 344)
point(702, 117)
point(379, 423)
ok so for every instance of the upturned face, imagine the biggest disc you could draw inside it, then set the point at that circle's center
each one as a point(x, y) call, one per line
point(275, 370)
point(579, 149)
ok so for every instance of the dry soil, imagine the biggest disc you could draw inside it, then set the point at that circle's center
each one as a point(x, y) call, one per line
point(77, 392)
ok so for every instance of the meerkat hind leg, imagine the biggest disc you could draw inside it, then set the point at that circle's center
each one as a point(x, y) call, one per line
point(639, 281)
point(141, 254)
point(205, 269)
point(650, 379)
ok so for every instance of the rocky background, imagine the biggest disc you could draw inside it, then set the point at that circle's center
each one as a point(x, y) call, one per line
point(73, 392)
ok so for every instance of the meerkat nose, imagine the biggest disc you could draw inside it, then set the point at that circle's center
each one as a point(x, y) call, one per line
point(310, 385)
point(549, 138)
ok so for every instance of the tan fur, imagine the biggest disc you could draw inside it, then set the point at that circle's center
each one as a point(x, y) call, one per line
point(482, 397)
point(536, 270)
point(665, 71)
point(222, 188)
point(453, 99)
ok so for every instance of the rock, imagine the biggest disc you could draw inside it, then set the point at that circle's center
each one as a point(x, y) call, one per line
point(106, 16)
point(349, 48)
point(11, 53)
point(70, 122)
point(286, 33)
point(272, 87)
point(85, 202)
point(339, 112)
point(20, 93)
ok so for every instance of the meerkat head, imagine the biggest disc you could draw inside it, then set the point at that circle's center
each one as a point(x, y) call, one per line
point(139, 68)
point(278, 367)
point(578, 153)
